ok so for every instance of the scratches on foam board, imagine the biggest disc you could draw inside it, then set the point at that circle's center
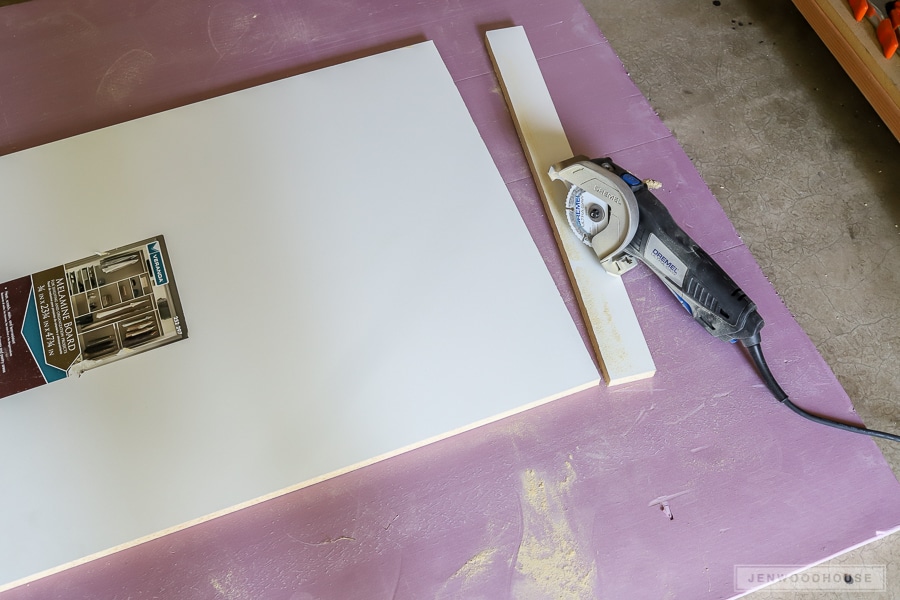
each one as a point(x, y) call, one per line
point(125, 76)
point(641, 416)
point(687, 416)
point(661, 499)
point(227, 25)
point(325, 542)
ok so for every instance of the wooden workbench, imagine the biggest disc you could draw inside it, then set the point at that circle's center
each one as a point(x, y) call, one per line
point(857, 49)
point(562, 501)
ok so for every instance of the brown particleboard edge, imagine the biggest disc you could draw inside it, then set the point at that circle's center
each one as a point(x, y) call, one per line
point(856, 48)
point(612, 325)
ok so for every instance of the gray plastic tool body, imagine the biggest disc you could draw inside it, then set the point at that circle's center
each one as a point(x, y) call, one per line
point(699, 283)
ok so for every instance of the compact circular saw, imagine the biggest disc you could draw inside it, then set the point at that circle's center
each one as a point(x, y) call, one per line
point(617, 215)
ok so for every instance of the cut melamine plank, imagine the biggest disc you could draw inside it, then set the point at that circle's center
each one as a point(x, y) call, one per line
point(348, 291)
point(612, 324)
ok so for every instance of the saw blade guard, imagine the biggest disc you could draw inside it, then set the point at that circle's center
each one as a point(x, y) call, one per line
point(601, 208)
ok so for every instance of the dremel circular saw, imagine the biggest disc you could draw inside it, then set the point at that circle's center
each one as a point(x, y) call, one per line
point(617, 215)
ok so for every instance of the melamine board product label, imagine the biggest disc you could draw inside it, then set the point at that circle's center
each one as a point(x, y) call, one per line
point(74, 317)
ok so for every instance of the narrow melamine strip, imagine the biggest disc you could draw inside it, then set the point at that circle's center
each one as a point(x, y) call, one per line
point(612, 324)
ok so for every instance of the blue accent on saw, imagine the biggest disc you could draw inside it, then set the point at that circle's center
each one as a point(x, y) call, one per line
point(631, 180)
point(686, 306)
point(31, 331)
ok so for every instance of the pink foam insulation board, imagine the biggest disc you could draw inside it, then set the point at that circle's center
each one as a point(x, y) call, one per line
point(560, 501)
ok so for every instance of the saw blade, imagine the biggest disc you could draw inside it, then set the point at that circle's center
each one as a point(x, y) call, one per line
point(587, 214)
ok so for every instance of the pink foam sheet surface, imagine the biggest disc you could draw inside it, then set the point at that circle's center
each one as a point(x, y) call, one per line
point(563, 500)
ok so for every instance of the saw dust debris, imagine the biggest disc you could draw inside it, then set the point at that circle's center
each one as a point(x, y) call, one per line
point(470, 578)
point(550, 563)
point(476, 567)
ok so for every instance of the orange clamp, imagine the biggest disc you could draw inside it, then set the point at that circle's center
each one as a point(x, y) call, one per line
point(859, 8)
point(887, 36)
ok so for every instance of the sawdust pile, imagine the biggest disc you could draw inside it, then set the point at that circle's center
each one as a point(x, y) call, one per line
point(550, 563)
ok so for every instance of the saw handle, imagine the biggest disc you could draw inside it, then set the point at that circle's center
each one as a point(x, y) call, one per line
point(700, 284)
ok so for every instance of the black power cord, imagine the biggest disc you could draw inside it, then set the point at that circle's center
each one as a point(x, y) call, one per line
point(756, 354)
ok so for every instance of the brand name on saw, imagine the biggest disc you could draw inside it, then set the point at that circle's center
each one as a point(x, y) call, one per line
point(606, 194)
point(661, 258)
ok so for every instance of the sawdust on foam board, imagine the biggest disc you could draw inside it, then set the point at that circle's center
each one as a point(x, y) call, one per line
point(473, 569)
point(550, 559)
point(477, 565)
point(469, 579)
point(227, 588)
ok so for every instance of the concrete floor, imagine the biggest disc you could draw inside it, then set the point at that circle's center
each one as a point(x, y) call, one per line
point(806, 171)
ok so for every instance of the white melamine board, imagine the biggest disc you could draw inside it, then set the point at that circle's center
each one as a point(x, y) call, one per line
point(613, 326)
point(355, 278)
